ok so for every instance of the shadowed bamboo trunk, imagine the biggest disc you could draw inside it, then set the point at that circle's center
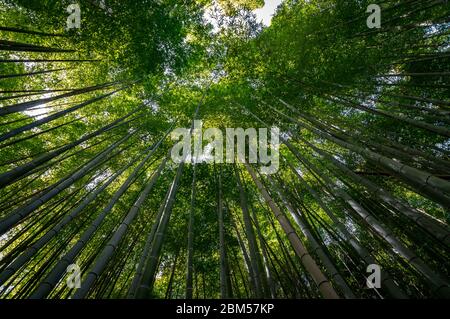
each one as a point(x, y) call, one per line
point(19, 214)
point(190, 243)
point(388, 283)
point(32, 250)
point(54, 116)
point(169, 289)
point(316, 247)
point(435, 227)
point(321, 281)
point(58, 270)
point(425, 183)
point(107, 252)
point(253, 246)
point(24, 47)
point(436, 279)
point(146, 251)
point(224, 273)
point(271, 286)
point(145, 288)
point(16, 173)
point(19, 30)
point(18, 75)
point(245, 256)
point(46, 60)
point(144, 281)
point(26, 105)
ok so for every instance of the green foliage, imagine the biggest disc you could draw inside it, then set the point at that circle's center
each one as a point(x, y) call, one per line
point(336, 89)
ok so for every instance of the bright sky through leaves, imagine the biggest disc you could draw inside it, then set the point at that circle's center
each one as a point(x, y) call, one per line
point(266, 13)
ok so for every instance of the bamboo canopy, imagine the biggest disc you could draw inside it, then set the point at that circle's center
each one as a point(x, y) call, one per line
point(88, 176)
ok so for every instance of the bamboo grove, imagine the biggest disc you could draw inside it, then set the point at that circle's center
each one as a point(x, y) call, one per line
point(86, 176)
